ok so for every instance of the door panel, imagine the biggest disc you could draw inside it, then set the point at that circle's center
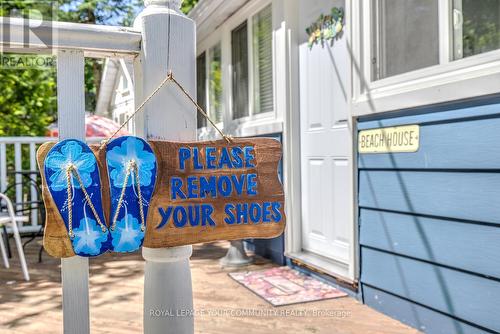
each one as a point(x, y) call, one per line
point(326, 149)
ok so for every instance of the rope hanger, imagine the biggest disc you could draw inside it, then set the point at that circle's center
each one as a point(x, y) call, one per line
point(169, 78)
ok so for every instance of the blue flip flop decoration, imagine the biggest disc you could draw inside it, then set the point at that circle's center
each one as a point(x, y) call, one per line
point(74, 183)
point(132, 176)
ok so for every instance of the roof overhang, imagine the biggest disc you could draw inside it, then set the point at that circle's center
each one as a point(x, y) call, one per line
point(210, 14)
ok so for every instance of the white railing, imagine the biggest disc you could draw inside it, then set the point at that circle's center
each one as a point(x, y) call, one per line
point(71, 43)
point(88, 40)
point(15, 180)
point(17, 176)
point(164, 39)
point(95, 41)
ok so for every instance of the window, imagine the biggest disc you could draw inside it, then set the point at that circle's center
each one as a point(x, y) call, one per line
point(263, 61)
point(239, 54)
point(260, 68)
point(124, 82)
point(215, 84)
point(247, 40)
point(201, 88)
point(405, 36)
point(417, 52)
point(476, 27)
point(209, 66)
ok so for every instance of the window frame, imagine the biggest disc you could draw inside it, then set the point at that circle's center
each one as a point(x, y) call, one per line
point(445, 45)
point(198, 114)
point(248, 17)
point(249, 69)
point(378, 44)
point(447, 81)
point(252, 124)
point(207, 78)
point(207, 51)
point(253, 67)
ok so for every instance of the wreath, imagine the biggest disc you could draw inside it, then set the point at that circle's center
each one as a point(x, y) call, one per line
point(327, 28)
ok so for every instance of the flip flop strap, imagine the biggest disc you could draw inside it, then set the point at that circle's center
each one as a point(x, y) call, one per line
point(71, 169)
point(141, 209)
point(132, 166)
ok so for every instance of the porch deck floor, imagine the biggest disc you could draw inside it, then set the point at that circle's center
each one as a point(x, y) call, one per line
point(116, 292)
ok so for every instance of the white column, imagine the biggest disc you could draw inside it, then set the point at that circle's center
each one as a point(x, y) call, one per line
point(71, 123)
point(168, 43)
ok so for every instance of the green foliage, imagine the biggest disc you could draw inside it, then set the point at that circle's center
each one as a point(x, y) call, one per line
point(109, 12)
point(27, 106)
point(481, 26)
point(479, 37)
point(22, 8)
point(187, 5)
point(27, 102)
point(215, 84)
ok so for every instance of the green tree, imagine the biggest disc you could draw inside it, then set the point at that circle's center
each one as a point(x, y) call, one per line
point(27, 102)
point(28, 99)
point(187, 5)
point(106, 12)
point(109, 12)
point(27, 107)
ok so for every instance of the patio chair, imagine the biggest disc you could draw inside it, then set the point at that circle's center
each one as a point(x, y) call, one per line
point(30, 179)
point(9, 217)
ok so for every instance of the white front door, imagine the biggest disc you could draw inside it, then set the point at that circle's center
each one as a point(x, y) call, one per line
point(326, 147)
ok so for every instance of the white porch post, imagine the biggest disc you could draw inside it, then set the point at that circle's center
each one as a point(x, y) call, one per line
point(168, 43)
point(71, 112)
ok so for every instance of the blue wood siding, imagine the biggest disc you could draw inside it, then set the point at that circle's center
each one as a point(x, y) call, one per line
point(430, 223)
point(274, 248)
point(470, 247)
point(423, 318)
point(479, 139)
point(462, 295)
point(471, 196)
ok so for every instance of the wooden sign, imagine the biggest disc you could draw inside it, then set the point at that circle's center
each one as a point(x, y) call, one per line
point(389, 140)
point(204, 191)
point(215, 191)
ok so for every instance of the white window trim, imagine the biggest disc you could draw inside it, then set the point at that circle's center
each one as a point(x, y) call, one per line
point(198, 114)
point(208, 53)
point(209, 44)
point(125, 77)
point(450, 80)
point(254, 124)
point(247, 14)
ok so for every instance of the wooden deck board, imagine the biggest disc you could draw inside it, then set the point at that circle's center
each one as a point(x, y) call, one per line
point(116, 293)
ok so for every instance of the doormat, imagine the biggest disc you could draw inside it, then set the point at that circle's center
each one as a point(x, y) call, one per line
point(284, 286)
